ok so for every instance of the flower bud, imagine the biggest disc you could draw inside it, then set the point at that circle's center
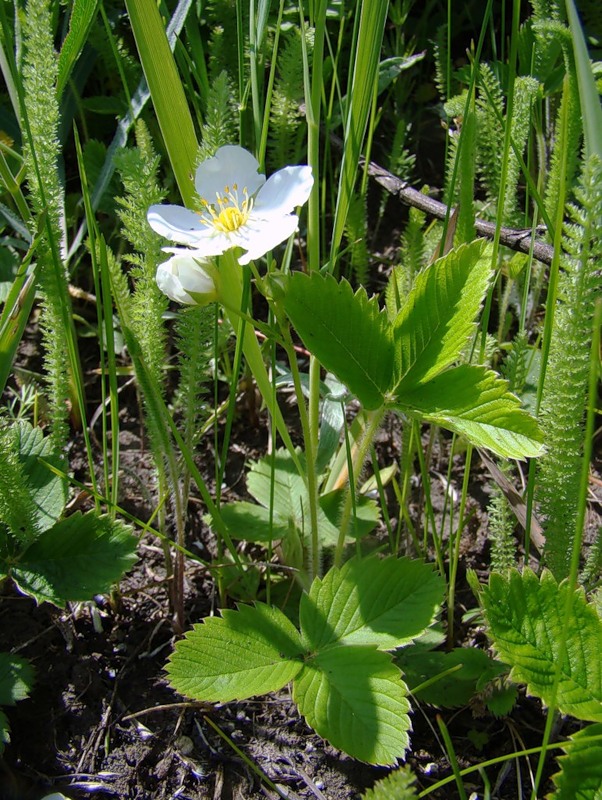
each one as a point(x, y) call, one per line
point(188, 280)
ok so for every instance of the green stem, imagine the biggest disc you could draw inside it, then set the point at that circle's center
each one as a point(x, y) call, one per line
point(310, 458)
point(373, 422)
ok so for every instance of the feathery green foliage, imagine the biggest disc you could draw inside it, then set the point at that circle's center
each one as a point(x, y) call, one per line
point(286, 131)
point(490, 132)
point(500, 529)
point(563, 400)
point(138, 168)
point(219, 126)
point(41, 154)
point(356, 230)
point(526, 90)
point(398, 784)
point(568, 127)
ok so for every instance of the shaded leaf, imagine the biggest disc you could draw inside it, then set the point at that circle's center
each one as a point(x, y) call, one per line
point(253, 650)
point(463, 671)
point(355, 698)
point(345, 331)
point(79, 557)
point(16, 679)
point(474, 402)
point(48, 490)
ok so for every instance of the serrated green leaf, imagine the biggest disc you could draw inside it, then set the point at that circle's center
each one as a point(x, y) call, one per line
point(474, 402)
point(580, 777)
point(251, 651)
point(526, 617)
point(16, 679)
point(48, 490)
point(78, 557)
point(385, 603)
point(345, 331)
point(355, 698)
point(439, 314)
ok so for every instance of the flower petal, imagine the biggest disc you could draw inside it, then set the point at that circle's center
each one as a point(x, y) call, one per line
point(283, 192)
point(187, 280)
point(260, 235)
point(175, 223)
point(231, 165)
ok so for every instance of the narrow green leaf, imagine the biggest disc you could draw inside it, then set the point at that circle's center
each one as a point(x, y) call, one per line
point(78, 557)
point(526, 617)
point(251, 651)
point(474, 402)
point(439, 314)
point(384, 603)
point(373, 15)
point(345, 331)
point(589, 97)
point(167, 93)
point(355, 698)
point(580, 777)
point(83, 14)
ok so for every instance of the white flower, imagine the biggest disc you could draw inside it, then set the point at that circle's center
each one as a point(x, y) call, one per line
point(237, 207)
point(188, 280)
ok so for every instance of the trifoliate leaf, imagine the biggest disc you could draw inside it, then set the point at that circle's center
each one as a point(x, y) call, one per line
point(251, 651)
point(381, 602)
point(528, 625)
point(355, 697)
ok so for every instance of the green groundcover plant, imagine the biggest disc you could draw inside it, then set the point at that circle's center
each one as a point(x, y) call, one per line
point(48, 555)
point(496, 350)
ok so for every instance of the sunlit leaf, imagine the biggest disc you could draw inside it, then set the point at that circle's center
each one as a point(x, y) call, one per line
point(385, 603)
point(439, 314)
point(253, 650)
point(474, 402)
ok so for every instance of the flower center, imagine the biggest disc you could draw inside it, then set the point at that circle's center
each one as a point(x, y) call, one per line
point(229, 212)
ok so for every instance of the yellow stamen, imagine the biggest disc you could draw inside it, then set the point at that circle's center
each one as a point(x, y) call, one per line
point(229, 212)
